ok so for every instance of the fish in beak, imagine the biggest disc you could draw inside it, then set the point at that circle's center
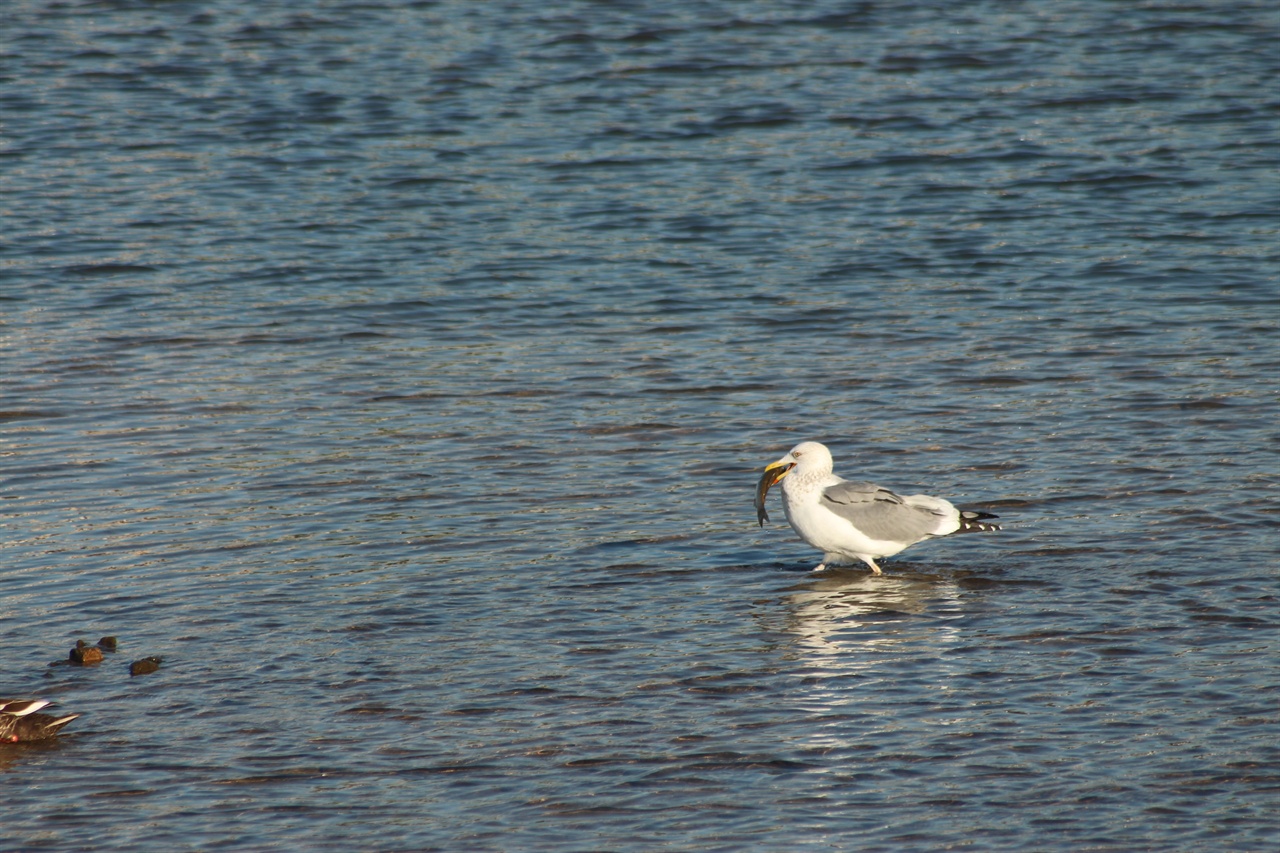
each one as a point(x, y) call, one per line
point(773, 472)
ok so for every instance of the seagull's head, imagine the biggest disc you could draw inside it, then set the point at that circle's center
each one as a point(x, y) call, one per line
point(808, 457)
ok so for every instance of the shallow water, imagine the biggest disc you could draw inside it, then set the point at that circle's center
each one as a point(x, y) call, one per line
point(401, 373)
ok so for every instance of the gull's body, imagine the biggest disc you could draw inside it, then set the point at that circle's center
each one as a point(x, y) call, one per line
point(851, 520)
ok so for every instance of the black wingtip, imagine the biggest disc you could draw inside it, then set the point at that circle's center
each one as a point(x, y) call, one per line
point(971, 521)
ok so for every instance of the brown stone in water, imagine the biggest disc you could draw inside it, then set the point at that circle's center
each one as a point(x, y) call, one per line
point(86, 655)
point(142, 667)
point(107, 644)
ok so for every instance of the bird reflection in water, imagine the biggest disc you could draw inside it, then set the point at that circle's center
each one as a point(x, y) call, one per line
point(847, 614)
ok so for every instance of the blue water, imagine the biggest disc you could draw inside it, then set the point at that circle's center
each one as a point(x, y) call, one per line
point(401, 372)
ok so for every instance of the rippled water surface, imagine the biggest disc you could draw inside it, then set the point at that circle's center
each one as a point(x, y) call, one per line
point(400, 373)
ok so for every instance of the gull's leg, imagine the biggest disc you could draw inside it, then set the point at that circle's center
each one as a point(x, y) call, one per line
point(872, 563)
point(820, 567)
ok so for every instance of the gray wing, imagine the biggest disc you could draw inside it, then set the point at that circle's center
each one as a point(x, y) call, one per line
point(877, 512)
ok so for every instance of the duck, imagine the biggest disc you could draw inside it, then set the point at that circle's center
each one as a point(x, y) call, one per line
point(19, 720)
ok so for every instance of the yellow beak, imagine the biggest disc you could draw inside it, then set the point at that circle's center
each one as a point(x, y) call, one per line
point(773, 472)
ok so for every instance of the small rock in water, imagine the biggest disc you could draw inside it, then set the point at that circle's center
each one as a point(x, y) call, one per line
point(85, 654)
point(142, 667)
point(107, 644)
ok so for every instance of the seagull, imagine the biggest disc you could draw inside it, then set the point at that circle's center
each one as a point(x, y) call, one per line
point(20, 722)
point(851, 520)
